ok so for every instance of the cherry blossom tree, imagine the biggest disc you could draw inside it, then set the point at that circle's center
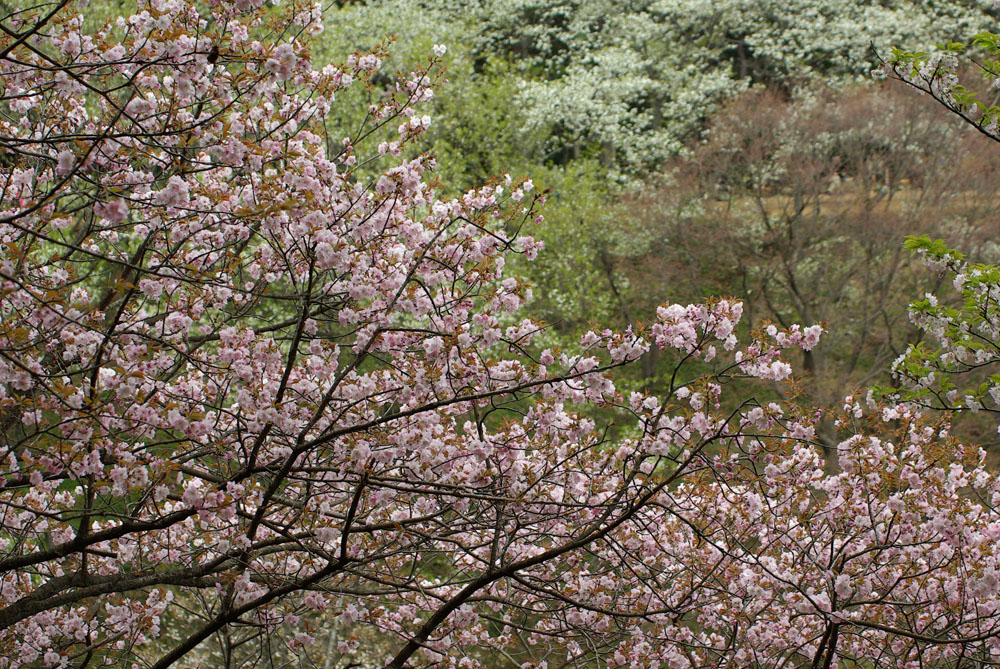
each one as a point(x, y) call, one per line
point(243, 355)
point(251, 362)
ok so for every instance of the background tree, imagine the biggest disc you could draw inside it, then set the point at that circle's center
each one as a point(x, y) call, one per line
point(612, 79)
point(799, 208)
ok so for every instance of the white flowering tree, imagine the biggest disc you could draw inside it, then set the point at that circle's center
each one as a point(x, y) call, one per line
point(629, 83)
point(633, 80)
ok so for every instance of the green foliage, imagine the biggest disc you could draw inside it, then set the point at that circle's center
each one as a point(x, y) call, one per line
point(573, 287)
point(479, 131)
point(941, 73)
point(956, 374)
point(936, 248)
